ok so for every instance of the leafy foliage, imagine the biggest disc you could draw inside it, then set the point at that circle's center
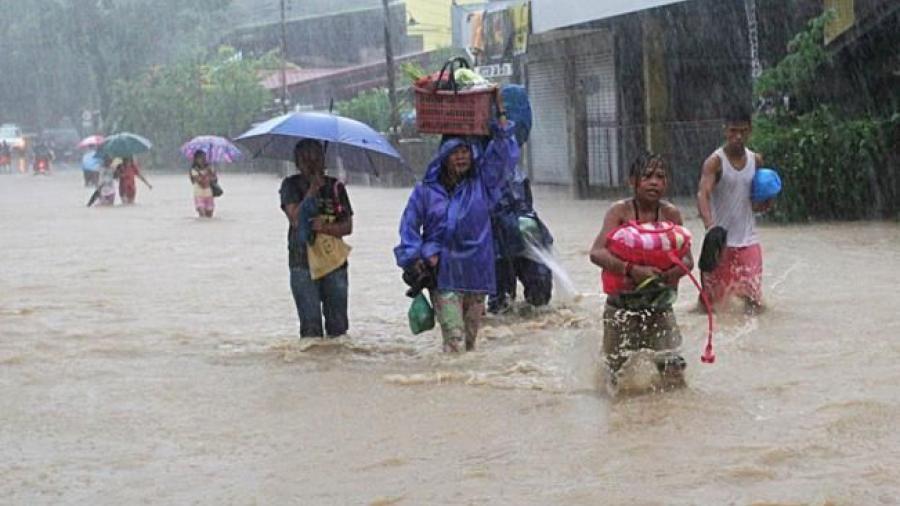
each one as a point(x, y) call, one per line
point(172, 103)
point(833, 166)
point(59, 57)
point(373, 108)
point(796, 74)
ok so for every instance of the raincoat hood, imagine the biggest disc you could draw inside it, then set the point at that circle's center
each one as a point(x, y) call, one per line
point(433, 172)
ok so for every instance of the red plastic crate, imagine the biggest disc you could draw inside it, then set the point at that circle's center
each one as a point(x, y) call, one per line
point(465, 112)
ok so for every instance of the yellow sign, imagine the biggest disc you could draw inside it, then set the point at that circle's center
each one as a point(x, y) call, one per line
point(521, 20)
point(845, 17)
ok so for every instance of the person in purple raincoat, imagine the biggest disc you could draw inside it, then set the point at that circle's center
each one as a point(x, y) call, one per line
point(446, 229)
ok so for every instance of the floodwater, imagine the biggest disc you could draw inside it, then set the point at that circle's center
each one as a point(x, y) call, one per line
point(147, 356)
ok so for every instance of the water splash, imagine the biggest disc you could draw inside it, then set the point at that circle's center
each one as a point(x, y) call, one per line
point(535, 251)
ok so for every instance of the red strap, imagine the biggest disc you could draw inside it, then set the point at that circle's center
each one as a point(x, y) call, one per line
point(708, 356)
point(338, 207)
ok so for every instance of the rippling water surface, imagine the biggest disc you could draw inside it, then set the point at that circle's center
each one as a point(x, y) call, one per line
point(149, 356)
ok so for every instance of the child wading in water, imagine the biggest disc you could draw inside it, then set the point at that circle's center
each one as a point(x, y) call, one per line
point(202, 177)
point(638, 313)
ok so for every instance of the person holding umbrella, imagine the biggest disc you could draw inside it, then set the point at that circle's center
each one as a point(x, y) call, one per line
point(106, 188)
point(90, 168)
point(90, 161)
point(203, 179)
point(316, 204)
point(214, 150)
point(446, 227)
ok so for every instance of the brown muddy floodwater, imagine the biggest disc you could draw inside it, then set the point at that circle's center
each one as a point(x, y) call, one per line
point(149, 357)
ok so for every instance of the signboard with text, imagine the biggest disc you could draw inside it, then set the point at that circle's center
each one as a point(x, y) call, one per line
point(495, 70)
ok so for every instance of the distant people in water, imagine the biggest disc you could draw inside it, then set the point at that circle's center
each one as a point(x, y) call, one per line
point(203, 177)
point(106, 188)
point(127, 173)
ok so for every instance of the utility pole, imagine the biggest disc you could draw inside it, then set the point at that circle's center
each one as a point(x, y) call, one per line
point(389, 60)
point(283, 61)
point(753, 31)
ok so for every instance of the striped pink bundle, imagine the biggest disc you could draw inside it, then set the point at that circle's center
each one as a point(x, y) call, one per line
point(654, 244)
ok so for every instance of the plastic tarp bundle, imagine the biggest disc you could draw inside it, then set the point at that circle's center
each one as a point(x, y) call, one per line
point(518, 110)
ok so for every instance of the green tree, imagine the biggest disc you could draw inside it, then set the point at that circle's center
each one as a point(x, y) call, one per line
point(58, 57)
point(834, 166)
point(170, 104)
point(373, 108)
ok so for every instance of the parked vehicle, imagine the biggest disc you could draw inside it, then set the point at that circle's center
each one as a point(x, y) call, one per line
point(41, 166)
point(43, 157)
point(64, 142)
point(12, 134)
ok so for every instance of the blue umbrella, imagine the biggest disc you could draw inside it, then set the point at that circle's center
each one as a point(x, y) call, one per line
point(90, 162)
point(354, 142)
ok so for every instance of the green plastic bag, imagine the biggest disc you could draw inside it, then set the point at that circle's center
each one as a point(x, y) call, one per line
point(421, 315)
point(530, 229)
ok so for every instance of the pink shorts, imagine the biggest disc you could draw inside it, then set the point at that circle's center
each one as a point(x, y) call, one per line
point(739, 273)
point(204, 203)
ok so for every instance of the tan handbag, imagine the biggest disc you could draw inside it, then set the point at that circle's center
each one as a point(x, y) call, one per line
point(326, 254)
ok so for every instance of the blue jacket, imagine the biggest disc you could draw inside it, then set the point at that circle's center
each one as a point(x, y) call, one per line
point(457, 227)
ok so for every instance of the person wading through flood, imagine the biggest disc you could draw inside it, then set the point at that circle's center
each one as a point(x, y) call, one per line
point(517, 228)
point(639, 315)
point(316, 204)
point(202, 178)
point(128, 171)
point(446, 227)
point(725, 207)
point(106, 189)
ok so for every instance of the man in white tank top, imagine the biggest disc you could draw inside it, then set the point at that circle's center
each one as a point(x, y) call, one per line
point(724, 201)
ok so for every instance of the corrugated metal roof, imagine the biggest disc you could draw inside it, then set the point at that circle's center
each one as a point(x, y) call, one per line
point(292, 76)
point(548, 15)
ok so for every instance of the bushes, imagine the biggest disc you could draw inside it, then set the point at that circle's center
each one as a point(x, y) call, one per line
point(373, 108)
point(834, 166)
point(173, 103)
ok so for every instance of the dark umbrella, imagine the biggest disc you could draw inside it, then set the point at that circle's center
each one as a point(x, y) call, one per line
point(94, 197)
point(124, 145)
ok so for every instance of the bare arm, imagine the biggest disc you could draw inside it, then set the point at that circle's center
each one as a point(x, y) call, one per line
point(335, 228)
point(761, 207)
point(601, 256)
point(341, 226)
point(671, 213)
point(292, 212)
point(708, 178)
point(142, 178)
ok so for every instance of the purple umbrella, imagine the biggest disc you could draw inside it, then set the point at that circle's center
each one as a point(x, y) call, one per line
point(217, 149)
